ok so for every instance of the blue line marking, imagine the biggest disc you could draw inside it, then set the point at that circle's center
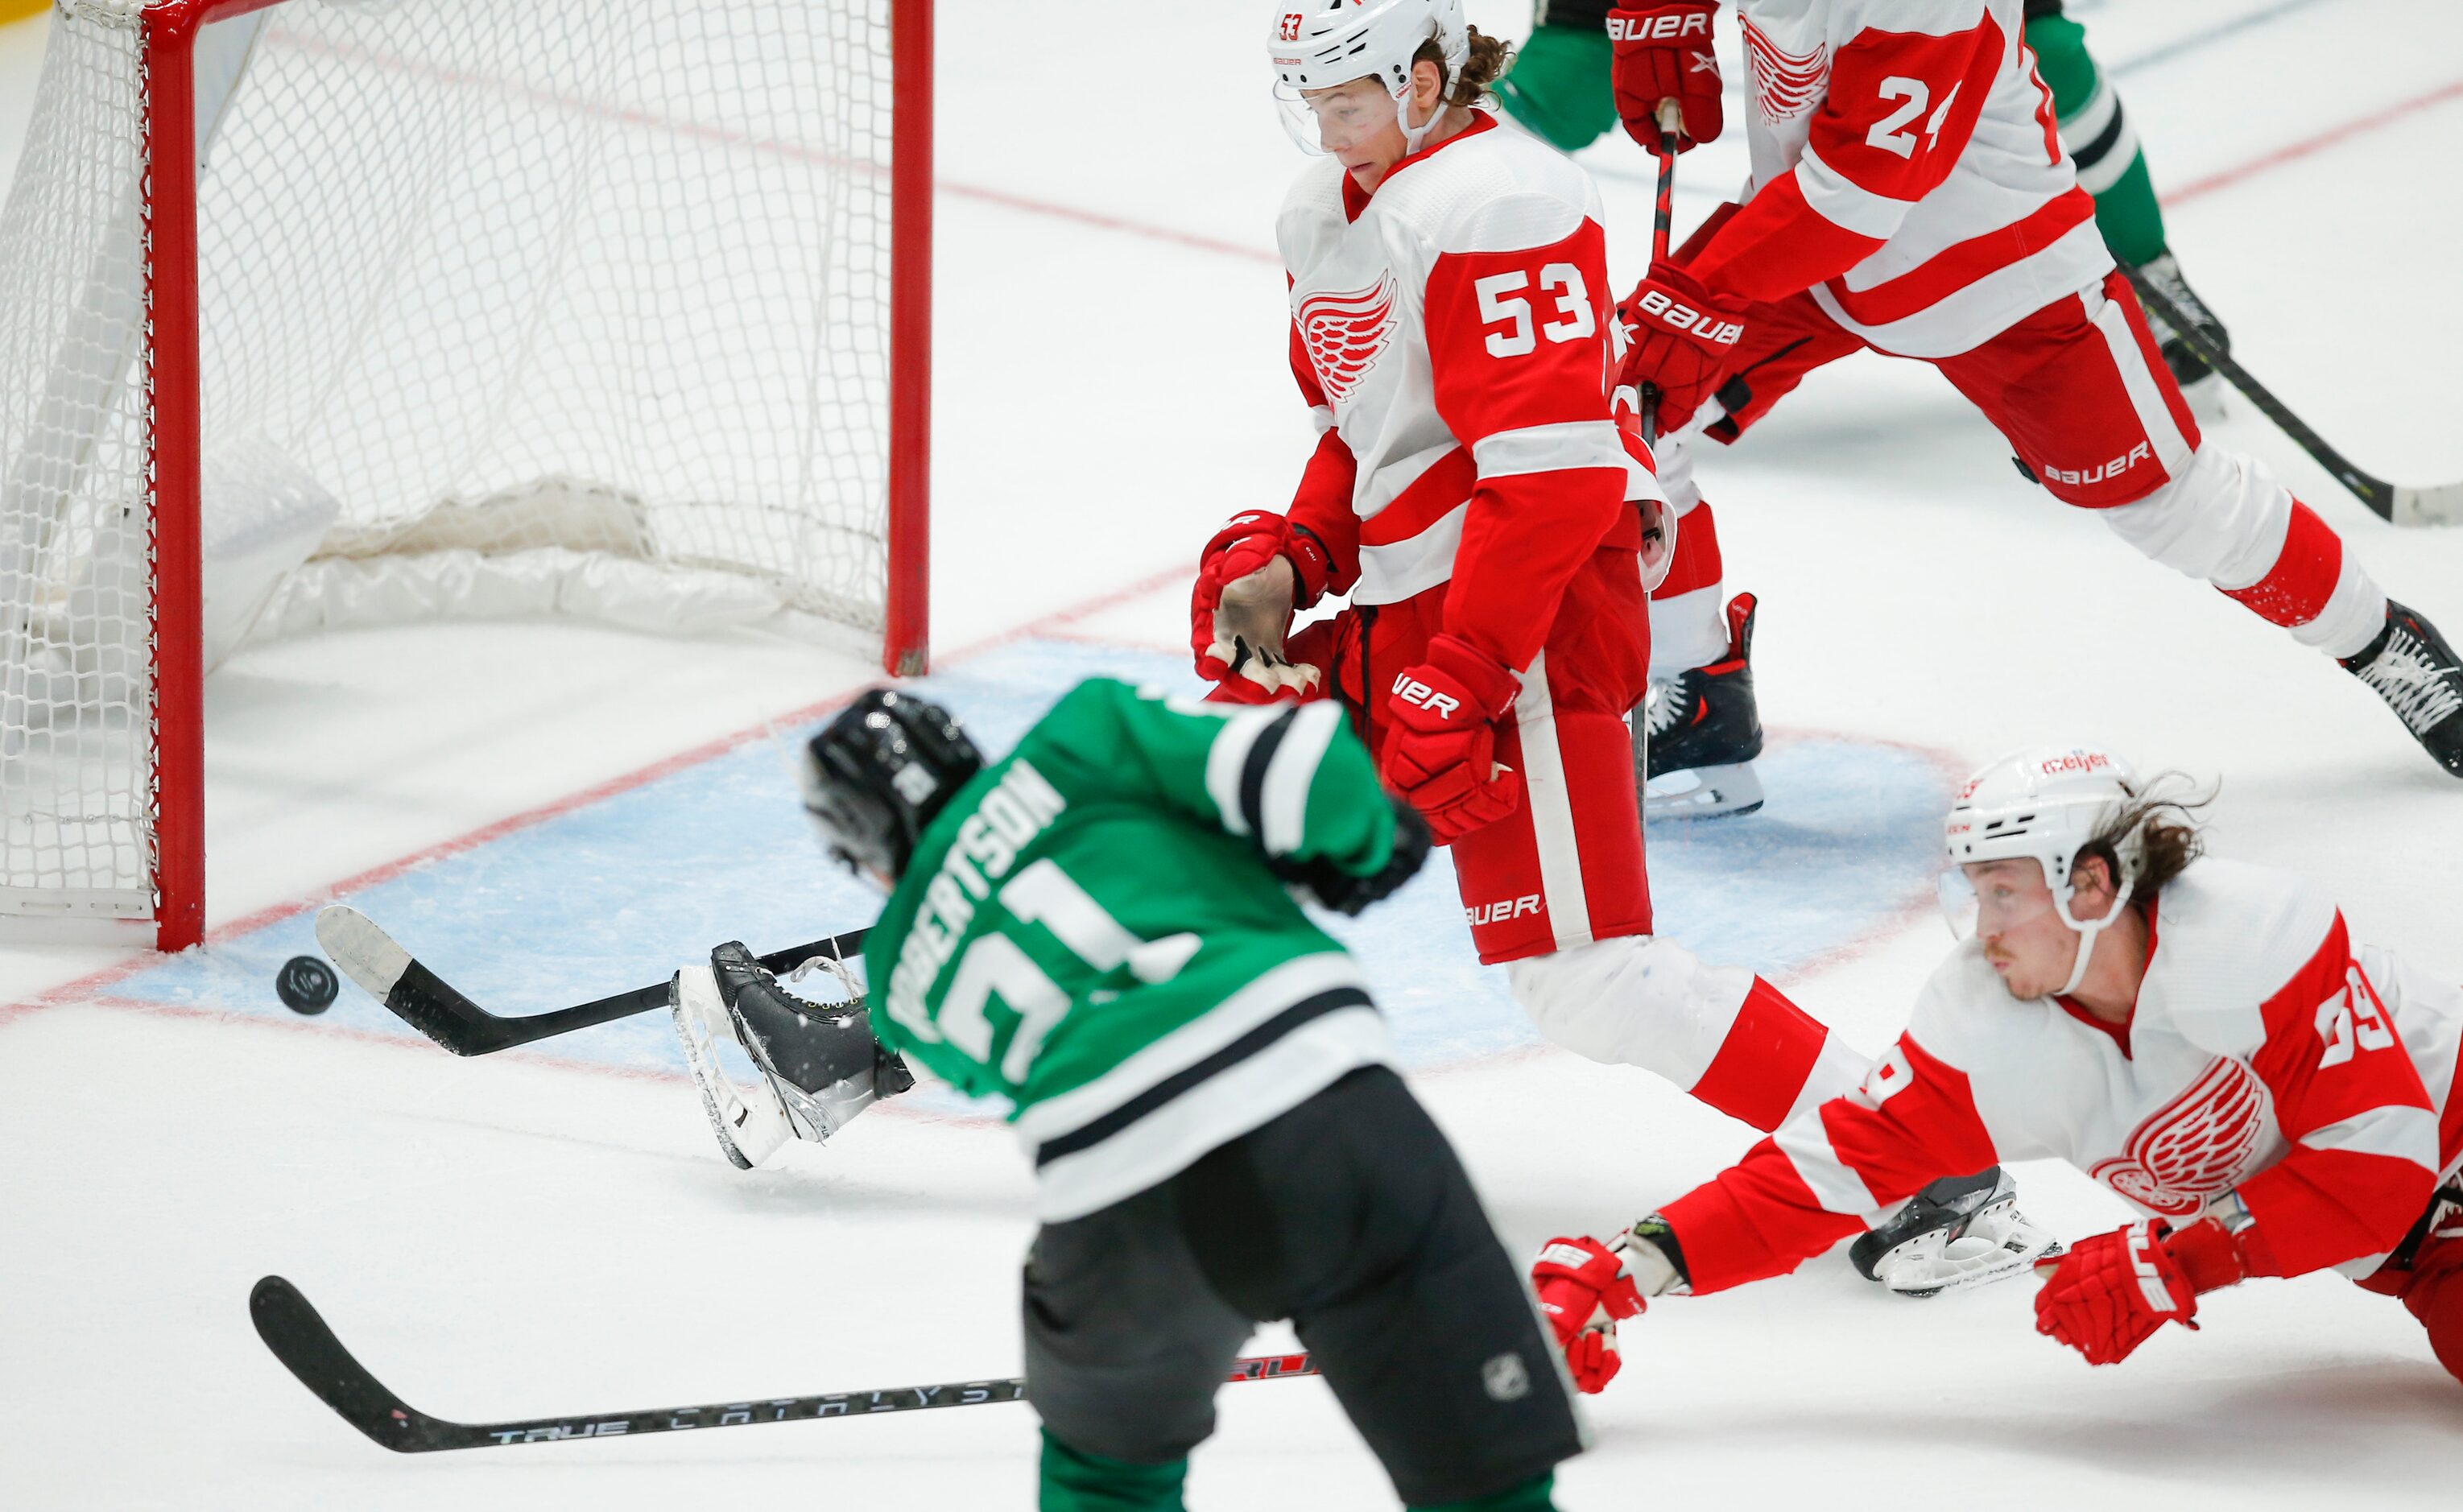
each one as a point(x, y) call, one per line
point(621, 892)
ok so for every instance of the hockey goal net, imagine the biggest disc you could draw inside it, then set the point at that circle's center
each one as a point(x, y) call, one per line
point(329, 312)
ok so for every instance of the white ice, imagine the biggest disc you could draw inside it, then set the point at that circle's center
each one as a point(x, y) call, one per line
point(510, 1237)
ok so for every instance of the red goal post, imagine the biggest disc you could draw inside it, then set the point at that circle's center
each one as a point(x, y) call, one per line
point(618, 308)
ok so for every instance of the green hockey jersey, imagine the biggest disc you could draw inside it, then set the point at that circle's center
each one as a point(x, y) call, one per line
point(1090, 929)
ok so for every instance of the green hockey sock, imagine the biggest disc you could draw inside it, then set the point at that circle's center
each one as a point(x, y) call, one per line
point(1558, 87)
point(1072, 1480)
point(2097, 131)
point(1531, 1496)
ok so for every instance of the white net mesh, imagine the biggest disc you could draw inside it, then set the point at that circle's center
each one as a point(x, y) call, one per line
point(503, 308)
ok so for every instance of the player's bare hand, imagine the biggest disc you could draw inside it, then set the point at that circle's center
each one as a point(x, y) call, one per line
point(1250, 578)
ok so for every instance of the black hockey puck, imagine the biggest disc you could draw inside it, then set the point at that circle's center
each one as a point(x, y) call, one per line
point(305, 984)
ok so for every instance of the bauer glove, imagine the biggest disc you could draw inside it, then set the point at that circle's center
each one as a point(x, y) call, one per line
point(2111, 1293)
point(1251, 576)
point(1684, 340)
point(1663, 52)
point(1441, 753)
point(1585, 1291)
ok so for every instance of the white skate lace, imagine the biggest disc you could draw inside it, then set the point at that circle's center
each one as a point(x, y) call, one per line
point(2414, 685)
point(1663, 705)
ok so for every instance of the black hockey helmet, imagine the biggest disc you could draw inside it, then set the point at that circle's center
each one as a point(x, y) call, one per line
point(874, 778)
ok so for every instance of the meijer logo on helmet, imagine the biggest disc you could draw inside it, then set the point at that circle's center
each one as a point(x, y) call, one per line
point(2075, 761)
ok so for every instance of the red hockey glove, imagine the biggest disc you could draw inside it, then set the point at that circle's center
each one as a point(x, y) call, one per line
point(1240, 642)
point(1441, 755)
point(1583, 1290)
point(1683, 337)
point(2111, 1293)
point(1663, 52)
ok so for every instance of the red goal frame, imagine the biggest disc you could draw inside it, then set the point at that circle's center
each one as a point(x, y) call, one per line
point(174, 440)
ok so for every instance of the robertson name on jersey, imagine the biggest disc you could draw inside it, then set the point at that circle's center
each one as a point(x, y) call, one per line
point(2265, 1059)
point(1089, 930)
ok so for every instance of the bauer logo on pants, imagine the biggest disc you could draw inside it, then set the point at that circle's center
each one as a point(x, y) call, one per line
point(1502, 910)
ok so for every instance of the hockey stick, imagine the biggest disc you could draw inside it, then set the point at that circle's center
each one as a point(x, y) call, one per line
point(308, 1349)
point(1672, 116)
point(2442, 505)
point(429, 1004)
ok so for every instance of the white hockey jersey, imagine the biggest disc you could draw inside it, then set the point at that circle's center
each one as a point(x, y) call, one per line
point(2264, 1059)
point(1453, 335)
point(1906, 168)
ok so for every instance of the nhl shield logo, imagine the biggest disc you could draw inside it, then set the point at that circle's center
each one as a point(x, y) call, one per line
point(1345, 333)
point(1505, 1379)
point(2194, 1146)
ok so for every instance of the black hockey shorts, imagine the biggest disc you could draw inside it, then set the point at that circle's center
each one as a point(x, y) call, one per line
point(1351, 1216)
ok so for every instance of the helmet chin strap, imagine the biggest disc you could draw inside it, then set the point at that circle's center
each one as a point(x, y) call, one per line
point(2087, 933)
point(1414, 136)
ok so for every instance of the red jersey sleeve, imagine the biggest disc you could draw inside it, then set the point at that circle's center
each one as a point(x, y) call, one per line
point(2364, 1147)
point(1323, 503)
point(1518, 353)
point(1899, 109)
point(1822, 1176)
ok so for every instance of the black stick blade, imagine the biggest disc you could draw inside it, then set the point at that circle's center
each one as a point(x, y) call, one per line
point(308, 1349)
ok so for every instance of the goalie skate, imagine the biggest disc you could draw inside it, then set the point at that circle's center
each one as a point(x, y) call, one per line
point(1960, 1232)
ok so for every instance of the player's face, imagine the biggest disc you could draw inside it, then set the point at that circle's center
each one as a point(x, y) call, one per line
point(1356, 123)
point(2023, 937)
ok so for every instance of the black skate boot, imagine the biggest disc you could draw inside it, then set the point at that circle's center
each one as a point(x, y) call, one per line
point(1696, 736)
point(2199, 383)
point(2411, 668)
point(818, 1064)
point(1960, 1231)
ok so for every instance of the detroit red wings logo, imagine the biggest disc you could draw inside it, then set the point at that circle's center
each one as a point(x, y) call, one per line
point(1345, 333)
point(1785, 84)
point(2194, 1146)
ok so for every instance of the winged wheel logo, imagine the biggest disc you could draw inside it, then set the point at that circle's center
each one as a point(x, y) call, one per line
point(1345, 333)
point(2194, 1146)
point(1785, 84)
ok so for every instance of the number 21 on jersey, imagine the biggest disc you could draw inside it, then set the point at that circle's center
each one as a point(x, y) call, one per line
point(994, 965)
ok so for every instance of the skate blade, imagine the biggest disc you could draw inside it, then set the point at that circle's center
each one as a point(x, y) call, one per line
point(1997, 1244)
point(1703, 792)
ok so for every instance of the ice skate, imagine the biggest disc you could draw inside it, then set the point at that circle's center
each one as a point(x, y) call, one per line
point(1959, 1232)
point(2411, 668)
point(818, 1064)
point(2200, 385)
point(1700, 731)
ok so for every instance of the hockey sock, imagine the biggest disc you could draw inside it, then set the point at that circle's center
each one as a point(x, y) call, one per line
point(1072, 1480)
point(2311, 592)
point(1531, 1496)
point(1557, 88)
point(1687, 626)
point(2111, 165)
point(1772, 1051)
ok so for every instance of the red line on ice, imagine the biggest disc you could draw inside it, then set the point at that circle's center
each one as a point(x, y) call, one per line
point(2333, 136)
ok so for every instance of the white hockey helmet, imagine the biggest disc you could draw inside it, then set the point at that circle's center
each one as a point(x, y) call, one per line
point(2042, 805)
point(1318, 44)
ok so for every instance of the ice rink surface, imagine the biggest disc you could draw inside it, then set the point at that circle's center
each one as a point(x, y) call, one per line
point(561, 811)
